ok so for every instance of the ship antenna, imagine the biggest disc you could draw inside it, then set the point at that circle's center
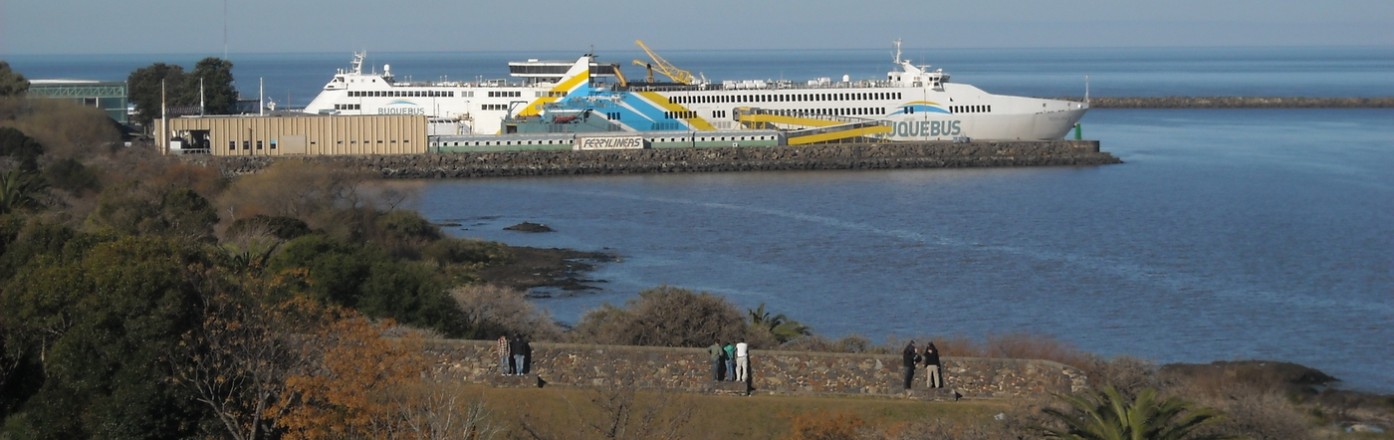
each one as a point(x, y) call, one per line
point(1086, 89)
point(897, 51)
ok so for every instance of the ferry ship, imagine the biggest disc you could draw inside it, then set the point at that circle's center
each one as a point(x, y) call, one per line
point(912, 103)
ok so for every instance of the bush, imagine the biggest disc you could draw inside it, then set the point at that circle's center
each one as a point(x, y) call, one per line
point(666, 317)
point(492, 311)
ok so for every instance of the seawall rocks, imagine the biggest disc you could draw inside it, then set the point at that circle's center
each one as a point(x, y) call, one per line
point(1234, 102)
point(700, 160)
point(771, 372)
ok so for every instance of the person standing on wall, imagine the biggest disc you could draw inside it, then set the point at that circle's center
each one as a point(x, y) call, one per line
point(516, 347)
point(933, 375)
point(730, 351)
point(908, 359)
point(742, 361)
point(718, 356)
point(504, 358)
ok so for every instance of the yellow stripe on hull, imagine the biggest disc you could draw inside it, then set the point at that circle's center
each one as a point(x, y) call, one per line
point(835, 135)
point(665, 104)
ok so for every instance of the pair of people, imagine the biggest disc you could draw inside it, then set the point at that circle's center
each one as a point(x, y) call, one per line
point(515, 355)
point(910, 358)
point(735, 358)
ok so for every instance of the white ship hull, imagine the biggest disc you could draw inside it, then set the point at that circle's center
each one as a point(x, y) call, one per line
point(911, 103)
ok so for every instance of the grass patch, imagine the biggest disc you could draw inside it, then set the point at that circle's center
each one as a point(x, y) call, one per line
point(557, 413)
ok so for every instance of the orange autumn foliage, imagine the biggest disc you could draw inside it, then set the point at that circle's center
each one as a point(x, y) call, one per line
point(349, 392)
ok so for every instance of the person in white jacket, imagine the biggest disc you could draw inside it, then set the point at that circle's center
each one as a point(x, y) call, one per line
point(742, 361)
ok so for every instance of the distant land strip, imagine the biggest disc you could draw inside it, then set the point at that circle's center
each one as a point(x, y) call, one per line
point(1185, 102)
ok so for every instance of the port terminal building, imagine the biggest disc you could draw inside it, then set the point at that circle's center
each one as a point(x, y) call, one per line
point(109, 96)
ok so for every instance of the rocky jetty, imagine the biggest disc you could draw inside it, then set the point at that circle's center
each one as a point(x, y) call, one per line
point(1235, 102)
point(703, 160)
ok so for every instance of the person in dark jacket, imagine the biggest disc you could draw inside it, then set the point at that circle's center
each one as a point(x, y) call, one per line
point(909, 358)
point(519, 348)
point(933, 375)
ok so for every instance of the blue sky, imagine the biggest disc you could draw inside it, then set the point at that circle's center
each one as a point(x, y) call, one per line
point(196, 26)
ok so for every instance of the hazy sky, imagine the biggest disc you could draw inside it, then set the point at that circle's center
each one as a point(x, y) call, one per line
point(197, 26)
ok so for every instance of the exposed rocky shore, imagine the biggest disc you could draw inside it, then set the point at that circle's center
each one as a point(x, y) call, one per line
point(1234, 102)
point(690, 160)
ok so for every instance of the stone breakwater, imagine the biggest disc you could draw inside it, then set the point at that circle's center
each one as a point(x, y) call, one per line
point(699, 160)
point(1234, 102)
point(771, 372)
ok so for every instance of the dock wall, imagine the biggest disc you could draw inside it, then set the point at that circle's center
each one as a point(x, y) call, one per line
point(727, 159)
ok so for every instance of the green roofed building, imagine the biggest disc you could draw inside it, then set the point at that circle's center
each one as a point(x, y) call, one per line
point(110, 96)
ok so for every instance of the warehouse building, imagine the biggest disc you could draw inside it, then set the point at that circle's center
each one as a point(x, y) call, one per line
point(289, 135)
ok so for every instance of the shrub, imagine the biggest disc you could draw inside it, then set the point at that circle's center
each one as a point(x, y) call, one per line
point(491, 311)
point(667, 317)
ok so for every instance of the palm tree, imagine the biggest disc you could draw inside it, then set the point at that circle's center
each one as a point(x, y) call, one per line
point(1108, 415)
point(20, 190)
point(783, 328)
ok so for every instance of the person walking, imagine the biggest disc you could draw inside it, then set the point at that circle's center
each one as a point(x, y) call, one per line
point(730, 354)
point(908, 359)
point(504, 358)
point(933, 376)
point(742, 361)
point(717, 355)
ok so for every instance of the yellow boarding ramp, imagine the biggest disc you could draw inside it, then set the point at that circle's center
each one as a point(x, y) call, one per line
point(820, 128)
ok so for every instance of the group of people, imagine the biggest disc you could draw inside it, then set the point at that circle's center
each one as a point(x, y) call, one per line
point(929, 357)
point(515, 355)
point(730, 362)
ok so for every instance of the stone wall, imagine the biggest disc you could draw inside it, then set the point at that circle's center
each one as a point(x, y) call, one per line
point(684, 160)
point(772, 372)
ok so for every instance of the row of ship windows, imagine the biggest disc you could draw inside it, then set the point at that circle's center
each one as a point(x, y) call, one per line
point(405, 94)
point(853, 111)
point(970, 109)
point(348, 107)
point(786, 97)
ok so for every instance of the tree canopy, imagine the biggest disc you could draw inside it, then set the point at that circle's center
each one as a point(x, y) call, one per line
point(12, 83)
point(181, 89)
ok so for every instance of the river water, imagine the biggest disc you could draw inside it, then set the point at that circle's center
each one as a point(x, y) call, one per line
point(1227, 234)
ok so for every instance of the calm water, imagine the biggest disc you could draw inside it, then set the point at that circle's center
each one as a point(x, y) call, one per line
point(1227, 234)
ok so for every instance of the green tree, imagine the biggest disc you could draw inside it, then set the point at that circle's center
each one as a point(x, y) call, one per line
point(21, 147)
point(145, 85)
point(12, 83)
point(219, 91)
point(72, 176)
point(100, 323)
point(1109, 415)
